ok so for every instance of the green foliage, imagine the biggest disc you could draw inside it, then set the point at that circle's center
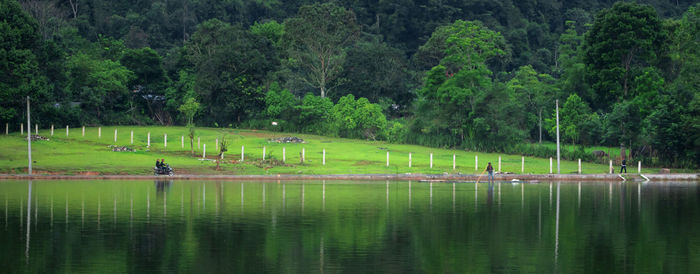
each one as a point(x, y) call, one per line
point(358, 119)
point(282, 107)
point(190, 108)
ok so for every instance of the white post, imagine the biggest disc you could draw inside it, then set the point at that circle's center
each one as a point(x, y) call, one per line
point(611, 168)
point(303, 154)
point(409, 159)
point(639, 167)
point(579, 165)
point(7, 128)
point(165, 140)
point(36, 129)
point(132, 136)
point(204, 152)
point(387, 159)
point(148, 144)
point(454, 161)
point(83, 131)
point(522, 165)
point(324, 156)
point(198, 145)
point(66, 131)
point(182, 142)
point(115, 135)
point(284, 154)
point(263, 153)
point(51, 130)
point(216, 143)
point(222, 155)
point(499, 163)
point(21, 129)
point(431, 160)
point(242, 152)
point(558, 152)
point(29, 155)
point(476, 162)
point(550, 165)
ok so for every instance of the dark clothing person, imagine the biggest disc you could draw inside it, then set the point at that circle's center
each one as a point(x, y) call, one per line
point(489, 168)
point(158, 165)
point(624, 166)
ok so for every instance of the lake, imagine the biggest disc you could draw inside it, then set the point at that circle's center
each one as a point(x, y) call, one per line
point(348, 226)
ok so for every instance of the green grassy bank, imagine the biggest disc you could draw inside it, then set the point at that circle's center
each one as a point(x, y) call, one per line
point(78, 154)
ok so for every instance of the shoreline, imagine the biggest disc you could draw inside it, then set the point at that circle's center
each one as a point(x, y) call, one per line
point(402, 176)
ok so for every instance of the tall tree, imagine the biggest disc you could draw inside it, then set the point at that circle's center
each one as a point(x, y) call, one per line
point(319, 35)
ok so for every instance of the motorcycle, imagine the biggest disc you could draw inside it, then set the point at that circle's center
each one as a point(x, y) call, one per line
point(166, 170)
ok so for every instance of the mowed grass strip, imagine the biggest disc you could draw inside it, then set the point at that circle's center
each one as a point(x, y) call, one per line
point(78, 154)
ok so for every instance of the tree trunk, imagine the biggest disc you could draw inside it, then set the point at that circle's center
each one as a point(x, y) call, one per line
point(540, 126)
point(192, 146)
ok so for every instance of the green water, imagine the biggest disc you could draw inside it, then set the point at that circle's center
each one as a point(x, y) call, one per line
point(348, 226)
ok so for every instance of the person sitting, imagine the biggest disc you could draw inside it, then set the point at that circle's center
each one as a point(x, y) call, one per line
point(158, 165)
point(162, 164)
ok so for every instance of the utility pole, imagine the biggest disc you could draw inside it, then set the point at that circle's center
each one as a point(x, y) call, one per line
point(558, 153)
point(29, 140)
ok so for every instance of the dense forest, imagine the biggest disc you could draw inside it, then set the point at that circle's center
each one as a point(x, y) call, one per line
point(477, 75)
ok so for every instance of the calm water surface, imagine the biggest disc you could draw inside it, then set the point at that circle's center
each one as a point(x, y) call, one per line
point(348, 226)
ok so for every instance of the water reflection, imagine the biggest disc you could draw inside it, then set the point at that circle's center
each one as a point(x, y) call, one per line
point(360, 227)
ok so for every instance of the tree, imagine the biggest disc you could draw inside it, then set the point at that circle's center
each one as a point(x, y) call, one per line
point(318, 36)
point(536, 90)
point(573, 115)
point(358, 118)
point(190, 108)
point(622, 38)
point(223, 147)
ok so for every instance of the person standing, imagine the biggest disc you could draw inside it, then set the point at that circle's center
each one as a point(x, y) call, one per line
point(623, 166)
point(489, 169)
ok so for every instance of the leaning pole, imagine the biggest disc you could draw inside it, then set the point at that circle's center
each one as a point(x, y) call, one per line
point(29, 140)
point(558, 154)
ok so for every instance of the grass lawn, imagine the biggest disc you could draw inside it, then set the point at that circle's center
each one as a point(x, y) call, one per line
point(76, 154)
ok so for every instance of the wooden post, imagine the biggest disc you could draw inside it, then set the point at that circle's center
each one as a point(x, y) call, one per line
point(639, 167)
point(132, 136)
point(165, 140)
point(431, 160)
point(611, 168)
point(204, 152)
point(242, 152)
point(579, 165)
point(83, 131)
point(409, 159)
point(550, 165)
point(454, 161)
point(21, 129)
point(387, 159)
point(115, 135)
point(51, 130)
point(522, 165)
point(284, 154)
point(263, 153)
point(499, 163)
point(66, 131)
point(148, 144)
point(324, 156)
point(182, 142)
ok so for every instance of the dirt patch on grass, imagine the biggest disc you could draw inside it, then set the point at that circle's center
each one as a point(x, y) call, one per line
point(362, 163)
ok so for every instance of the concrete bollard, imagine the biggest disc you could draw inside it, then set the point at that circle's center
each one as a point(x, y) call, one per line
point(7, 128)
point(51, 130)
point(303, 154)
point(579, 165)
point(284, 155)
point(499, 163)
point(83, 131)
point(639, 167)
point(182, 141)
point(431, 160)
point(409, 159)
point(66, 131)
point(132, 136)
point(148, 141)
point(387, 159)
point(242, 152)
point(115, 135)
point(522, 165)
point(165, 140)
point(324, 156)
point(204, 152)
point(611, 168)
point(550, 165)
point(21, 129)
point(263, 153)
point(36, 129)
point(198, 146)
point(99, 131)
point(454, 161)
